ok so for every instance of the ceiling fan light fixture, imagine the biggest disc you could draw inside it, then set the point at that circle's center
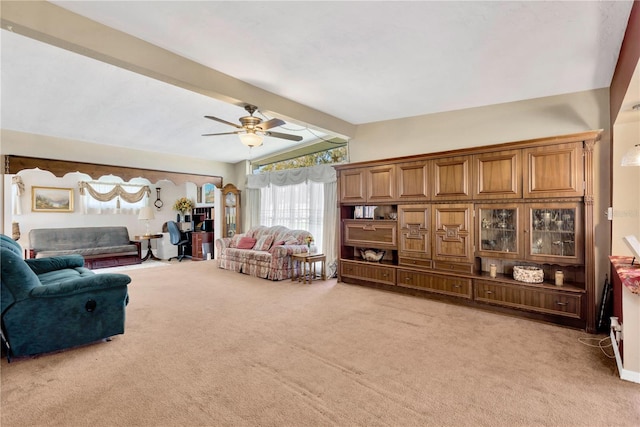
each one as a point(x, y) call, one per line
point(251, 139)
point(632, 157)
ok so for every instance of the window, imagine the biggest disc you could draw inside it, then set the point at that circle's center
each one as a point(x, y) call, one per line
point(110, 197)
point(297, 206)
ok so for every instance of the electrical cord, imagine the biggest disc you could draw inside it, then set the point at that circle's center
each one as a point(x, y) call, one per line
point(598, 344)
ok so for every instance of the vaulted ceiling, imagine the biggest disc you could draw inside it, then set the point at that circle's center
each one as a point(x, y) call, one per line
point(349, 62)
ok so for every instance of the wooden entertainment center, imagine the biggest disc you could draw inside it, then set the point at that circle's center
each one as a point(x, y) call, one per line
point(446, 219)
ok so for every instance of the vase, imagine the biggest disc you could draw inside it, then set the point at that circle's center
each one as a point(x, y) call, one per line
point(178, 217)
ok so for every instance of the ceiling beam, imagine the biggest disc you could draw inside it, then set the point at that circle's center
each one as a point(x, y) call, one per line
point(59, 27)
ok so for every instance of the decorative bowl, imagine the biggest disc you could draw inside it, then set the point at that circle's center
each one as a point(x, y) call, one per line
point(528, 274)
point(371, 255)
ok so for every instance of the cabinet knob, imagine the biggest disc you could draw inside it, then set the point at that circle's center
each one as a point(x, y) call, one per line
point(455, 285)
point(562, 303)
point(488, 292)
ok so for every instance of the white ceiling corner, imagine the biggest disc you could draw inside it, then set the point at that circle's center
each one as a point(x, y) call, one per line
point(361, 62)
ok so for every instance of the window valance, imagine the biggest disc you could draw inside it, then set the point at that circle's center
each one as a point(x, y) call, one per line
point(318, 173)
point(85, 187)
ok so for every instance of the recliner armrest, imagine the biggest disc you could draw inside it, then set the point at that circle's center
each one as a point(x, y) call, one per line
point(82, 284)
point(45, 265)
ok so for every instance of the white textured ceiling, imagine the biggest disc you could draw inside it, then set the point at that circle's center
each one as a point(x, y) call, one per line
point(358, 61)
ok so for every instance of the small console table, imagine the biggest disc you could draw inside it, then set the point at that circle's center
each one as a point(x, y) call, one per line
point(309, 260)
point(148, 238)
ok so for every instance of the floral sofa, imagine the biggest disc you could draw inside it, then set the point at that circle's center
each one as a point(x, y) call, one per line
point(262, 251)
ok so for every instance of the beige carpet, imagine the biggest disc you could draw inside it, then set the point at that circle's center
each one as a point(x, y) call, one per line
point(207, 347)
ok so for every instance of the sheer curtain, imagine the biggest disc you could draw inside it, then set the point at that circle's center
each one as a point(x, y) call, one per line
point(303, 199)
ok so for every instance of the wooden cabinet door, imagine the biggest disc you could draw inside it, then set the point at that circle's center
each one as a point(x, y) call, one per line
point(414, 228)
point(498, 175)
point(353, 186)
point(453, 232)
point(413, 181)
point(367, 271)
point(542, 300)
point(440, 284)
point(381, 234)
point(451, 178)
point(554, 171)
point(201, 244)
point(381, 184)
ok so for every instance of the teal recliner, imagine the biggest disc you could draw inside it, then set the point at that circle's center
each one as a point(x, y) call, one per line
point(55, 303)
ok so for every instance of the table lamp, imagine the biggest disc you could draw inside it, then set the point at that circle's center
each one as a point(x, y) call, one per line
point(146, 214)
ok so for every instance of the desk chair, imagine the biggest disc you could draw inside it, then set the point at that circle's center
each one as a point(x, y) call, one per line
point(176, 237)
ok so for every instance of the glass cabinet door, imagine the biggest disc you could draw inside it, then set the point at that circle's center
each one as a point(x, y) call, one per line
point(555, 233)
point(499, 228)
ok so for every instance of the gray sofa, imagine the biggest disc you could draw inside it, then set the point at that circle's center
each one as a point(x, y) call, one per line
point(100, 246)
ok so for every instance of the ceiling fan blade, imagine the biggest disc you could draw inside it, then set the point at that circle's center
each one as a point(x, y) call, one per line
point(270, 124)
point(224, 133)
point(223, 121)
point(284, 136)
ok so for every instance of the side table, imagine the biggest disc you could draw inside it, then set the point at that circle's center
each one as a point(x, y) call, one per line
point(148, 238)
point(309, 260)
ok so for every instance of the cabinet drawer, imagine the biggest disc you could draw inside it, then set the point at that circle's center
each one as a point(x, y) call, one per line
point(529, 298)
point(454, 267)
point(376, 234)
point(447, 285)
point(367, 271)
point(423, 263)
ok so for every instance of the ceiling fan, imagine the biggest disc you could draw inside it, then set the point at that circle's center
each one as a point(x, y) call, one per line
point(252, 129)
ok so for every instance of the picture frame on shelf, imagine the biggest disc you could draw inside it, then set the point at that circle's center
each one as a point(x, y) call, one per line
point(51, 199)
point(208, 194)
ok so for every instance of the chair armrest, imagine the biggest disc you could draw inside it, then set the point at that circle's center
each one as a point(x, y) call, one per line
point(45, 265)
point(82, 284)
point(284, 250)
point(223, 243)
point(138, 246)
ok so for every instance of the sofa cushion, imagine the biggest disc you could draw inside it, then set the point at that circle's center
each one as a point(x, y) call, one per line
point(235, 240)
point(246, 243)
point(91, 252)
point(263, 243)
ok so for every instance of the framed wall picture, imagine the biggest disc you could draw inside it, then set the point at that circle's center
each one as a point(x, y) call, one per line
point(208, 194)
point(51, 199)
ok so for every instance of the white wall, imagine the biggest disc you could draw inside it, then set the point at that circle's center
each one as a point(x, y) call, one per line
point(19, 143)
point(495, 124)
point(29, 220)
point(626, 220)
point(26, 144)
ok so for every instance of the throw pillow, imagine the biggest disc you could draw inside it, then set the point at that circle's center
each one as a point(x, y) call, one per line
point(246, 243)
point(264, 243)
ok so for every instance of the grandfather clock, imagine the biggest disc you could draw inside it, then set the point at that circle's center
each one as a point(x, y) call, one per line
point(230, 210)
